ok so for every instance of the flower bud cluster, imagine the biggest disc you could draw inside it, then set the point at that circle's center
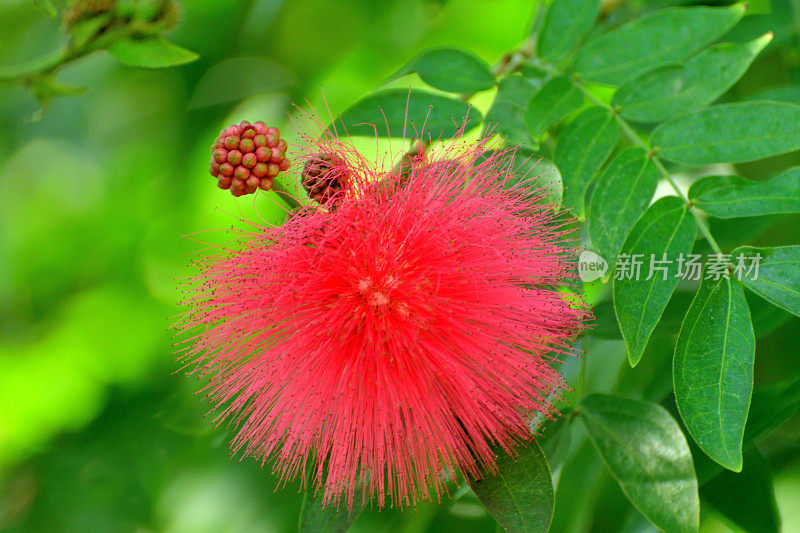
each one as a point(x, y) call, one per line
point(246, 157)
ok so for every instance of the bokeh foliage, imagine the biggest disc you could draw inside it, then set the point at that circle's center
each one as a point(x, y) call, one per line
point(98, 430)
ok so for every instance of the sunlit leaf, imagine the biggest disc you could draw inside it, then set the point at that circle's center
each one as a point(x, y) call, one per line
point(47, 6)
point(734, 196)
point(730, 133)
point(648, 455)
point(567, 22)
point(658, 38)
point(663, 234)
point(520, 494)
point(453, 70)
point(408, 113)
point(771, 406)
point(582, 149)
point(673, 90)
point(621, 195)
point(82, 31)
point(556, 99)
point(777, 277)
point(713, 370)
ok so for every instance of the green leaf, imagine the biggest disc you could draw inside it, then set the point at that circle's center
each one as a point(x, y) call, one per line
point(581, 150)
point(772, 405)
point(152, 52)
point(734, 196)
point(555, 100)
point(566, 24)
point(622, 194)
point(315, 518)
point(658, 38)
point(664, 232)
point(673, 90)
point(409, 114)
point(730, 133)
point(452, 70)
point(47, 6)
point(506, 116)
point(713, 370)
point(746, 498)
point(777, 278)
point(648, 455)
point(520, 494)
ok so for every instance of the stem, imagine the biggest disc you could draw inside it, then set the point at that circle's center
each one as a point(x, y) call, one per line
point(280, 189)
point(636, 139)
point(25, 73)
point(701, 224)
point(90, 35)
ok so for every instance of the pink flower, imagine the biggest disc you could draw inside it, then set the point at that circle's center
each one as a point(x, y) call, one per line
point(387, 345)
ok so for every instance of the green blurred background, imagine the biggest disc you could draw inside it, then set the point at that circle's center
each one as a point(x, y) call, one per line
point(99, 428)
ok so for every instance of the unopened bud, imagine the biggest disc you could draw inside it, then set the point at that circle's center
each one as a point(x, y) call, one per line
point(234, 157)
point(324, 176)
point(246, 157)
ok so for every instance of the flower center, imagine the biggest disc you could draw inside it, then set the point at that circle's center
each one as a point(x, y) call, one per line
point(377, 294)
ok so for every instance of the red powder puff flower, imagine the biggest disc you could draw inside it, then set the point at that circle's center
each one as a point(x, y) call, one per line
point(385, 346)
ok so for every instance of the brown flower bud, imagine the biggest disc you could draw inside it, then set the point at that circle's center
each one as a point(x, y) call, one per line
point(324, 176)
